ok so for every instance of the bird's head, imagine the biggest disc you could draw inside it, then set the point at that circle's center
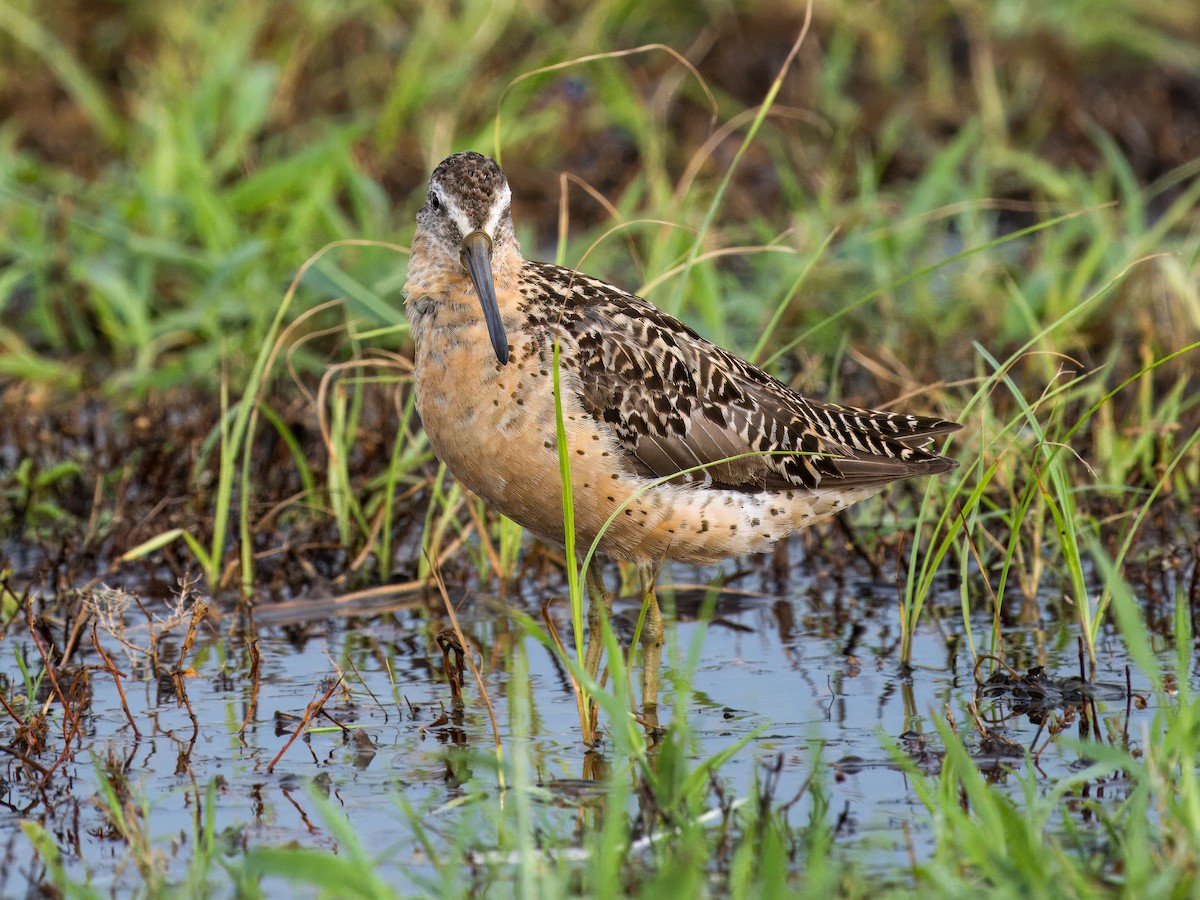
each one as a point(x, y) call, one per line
point(468, 215)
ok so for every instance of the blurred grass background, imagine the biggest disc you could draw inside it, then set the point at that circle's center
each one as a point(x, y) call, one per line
point(166, 167)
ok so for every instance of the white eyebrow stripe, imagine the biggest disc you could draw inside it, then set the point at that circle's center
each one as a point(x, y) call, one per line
point(457, 215)
point(501, 203)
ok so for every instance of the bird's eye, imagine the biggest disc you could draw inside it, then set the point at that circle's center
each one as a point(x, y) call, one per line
point(434, 203)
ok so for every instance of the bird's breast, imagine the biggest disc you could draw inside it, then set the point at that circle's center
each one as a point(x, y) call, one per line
point(492, 425)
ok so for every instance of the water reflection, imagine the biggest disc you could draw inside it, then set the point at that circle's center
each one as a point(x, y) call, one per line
point(810, 674)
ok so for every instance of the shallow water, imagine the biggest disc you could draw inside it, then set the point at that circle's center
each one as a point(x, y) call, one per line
point(810, 674)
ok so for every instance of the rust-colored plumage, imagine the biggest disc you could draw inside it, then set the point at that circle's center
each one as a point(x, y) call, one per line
point(644, 398)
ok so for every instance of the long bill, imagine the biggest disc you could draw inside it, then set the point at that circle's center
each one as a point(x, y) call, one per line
point(476, 255)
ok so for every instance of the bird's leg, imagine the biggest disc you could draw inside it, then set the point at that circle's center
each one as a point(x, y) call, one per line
point(652, 641)
point(598, 600)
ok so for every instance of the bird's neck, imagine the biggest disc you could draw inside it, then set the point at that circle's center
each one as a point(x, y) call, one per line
point(434, 272)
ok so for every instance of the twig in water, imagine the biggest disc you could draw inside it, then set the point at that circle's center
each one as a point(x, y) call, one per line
point(312, 710)
point(117, 676)
point(254, 681)
point(437, 577)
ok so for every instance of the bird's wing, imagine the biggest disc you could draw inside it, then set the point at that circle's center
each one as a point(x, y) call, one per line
point(676, 401)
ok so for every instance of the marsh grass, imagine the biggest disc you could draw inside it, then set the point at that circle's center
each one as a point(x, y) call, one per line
point(1033, 279)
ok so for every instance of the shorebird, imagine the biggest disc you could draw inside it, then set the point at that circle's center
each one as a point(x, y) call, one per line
point(700, 455)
